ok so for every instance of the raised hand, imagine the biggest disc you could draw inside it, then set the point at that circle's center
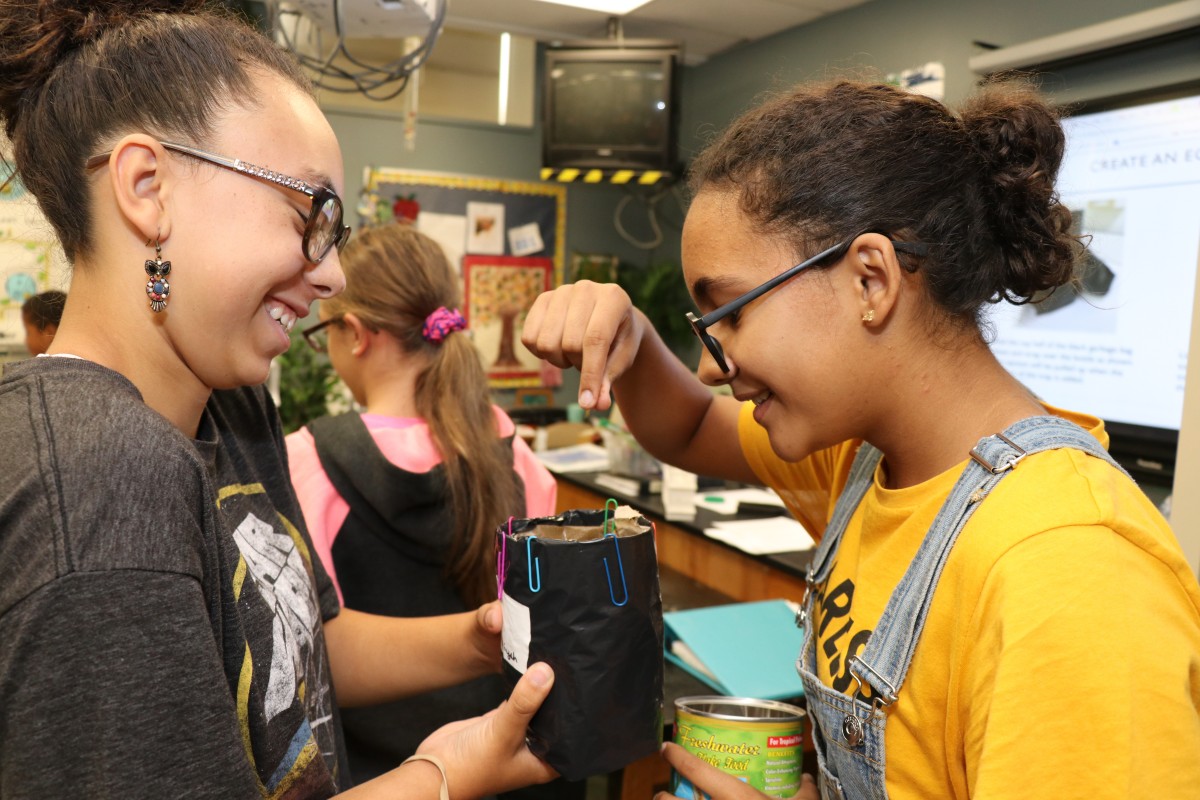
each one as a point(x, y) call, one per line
point(591, 326)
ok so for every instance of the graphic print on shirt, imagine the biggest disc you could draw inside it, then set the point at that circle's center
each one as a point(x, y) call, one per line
point(838, 639)
point(280, 577)
point(284, 705)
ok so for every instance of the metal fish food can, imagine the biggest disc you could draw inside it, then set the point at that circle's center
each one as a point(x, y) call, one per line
point(756, 741)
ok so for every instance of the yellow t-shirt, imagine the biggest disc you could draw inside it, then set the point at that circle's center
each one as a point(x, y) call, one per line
point(1061, 654)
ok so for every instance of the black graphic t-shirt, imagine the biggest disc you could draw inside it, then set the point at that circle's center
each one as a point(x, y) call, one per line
point(160, 608)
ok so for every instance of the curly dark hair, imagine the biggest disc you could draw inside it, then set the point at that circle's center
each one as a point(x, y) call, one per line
point(822, 163)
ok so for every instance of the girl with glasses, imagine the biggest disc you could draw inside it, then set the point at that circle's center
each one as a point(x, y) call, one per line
point(403, 499)
point(994, 608)
point(165, 629)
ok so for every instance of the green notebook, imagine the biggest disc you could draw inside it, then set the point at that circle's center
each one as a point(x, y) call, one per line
point(740, 649)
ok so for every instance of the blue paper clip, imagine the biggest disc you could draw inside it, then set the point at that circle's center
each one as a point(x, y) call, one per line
point(535, 566)
point(617, 546)
point(608, 575)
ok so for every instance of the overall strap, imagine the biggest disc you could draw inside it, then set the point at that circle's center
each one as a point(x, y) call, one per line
point(885, 660)
point(862, 473)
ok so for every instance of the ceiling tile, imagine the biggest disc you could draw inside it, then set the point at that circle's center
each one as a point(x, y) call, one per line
point(706, 27)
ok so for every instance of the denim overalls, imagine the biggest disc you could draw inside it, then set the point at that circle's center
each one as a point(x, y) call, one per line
point(849, 733)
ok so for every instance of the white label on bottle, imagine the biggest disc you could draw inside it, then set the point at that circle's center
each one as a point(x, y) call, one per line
point(515, 635)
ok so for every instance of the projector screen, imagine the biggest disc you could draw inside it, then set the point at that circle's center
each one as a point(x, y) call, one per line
point(1117, 348)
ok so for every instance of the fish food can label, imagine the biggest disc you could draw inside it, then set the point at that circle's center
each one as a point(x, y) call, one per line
point(756, 741)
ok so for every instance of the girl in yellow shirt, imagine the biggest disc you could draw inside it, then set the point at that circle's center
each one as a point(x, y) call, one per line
point(995, 609)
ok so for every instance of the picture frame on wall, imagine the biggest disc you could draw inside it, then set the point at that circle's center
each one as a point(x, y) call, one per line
point(498, 292)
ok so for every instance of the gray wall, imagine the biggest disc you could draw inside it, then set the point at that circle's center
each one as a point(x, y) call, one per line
point(882, 36)
point(491, 151)
point(885, 36)
point(892, 35)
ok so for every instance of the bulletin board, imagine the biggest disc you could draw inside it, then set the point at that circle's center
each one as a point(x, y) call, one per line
point(31, 260)
point(507, 239)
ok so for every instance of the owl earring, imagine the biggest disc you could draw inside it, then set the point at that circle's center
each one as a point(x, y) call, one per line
point(157, 287)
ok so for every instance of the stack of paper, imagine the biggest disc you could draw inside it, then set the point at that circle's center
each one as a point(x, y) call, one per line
point(620, 484)
point(727, 501)
point(576, 458)
point(741, 649)
point(759, 536)
point(678, 493)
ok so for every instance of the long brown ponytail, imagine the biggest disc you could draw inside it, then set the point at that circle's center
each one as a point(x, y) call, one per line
point(395, 277)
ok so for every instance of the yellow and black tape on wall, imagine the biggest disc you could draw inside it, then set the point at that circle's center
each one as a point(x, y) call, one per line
point(614, 176)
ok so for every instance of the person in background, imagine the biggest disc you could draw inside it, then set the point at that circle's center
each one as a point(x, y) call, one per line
point(403, 500)
point(41, 314)
point(995, 609)
point(165, 630)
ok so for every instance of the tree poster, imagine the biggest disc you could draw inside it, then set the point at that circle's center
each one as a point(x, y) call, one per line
point(499, 291)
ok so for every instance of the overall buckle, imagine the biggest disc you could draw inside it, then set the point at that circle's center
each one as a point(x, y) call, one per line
point(996, 469)
point(854, 727)
point(810, 586)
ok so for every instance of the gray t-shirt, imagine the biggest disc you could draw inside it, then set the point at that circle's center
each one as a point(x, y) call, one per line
point(160, 604)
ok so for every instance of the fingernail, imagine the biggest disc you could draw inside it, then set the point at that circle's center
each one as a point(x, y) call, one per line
point(539, 675)
point(493, 618)
point(587, 399)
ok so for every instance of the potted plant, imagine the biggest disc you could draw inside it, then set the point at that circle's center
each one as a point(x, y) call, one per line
point(306, 383)
point(659, 290)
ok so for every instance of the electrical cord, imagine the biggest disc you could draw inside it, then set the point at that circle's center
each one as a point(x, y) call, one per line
point(652, 202)
point(377, 81)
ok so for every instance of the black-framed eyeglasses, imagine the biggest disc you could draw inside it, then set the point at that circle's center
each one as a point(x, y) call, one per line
point(323, 227)
point(317, 336)
point(700, 325)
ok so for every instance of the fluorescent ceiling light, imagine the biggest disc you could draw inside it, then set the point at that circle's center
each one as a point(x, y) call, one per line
point(617, 7)
point(505, 56)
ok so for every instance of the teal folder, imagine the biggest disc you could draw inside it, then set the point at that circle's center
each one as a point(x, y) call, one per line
point(749, 649)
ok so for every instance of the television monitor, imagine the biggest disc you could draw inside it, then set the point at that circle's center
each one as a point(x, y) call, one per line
point(1117, 345)
point(611, 107)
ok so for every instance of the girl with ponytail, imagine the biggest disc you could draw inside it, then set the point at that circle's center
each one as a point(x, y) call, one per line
point(403, 500)
point(164, 628)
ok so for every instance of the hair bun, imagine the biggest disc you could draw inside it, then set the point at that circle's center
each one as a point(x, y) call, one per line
point(1016, 133)
point(1020, 143)
point(77, 23)
point(36, 35)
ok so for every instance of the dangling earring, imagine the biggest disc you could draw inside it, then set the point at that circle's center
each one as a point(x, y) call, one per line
point(867, 317)
point(157, 287)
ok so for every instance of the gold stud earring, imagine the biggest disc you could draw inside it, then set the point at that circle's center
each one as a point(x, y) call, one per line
point(869, 316)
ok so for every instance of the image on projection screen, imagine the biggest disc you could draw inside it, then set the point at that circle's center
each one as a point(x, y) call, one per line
point(1117, 346)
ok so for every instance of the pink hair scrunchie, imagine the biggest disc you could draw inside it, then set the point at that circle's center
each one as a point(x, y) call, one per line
point(441, 323)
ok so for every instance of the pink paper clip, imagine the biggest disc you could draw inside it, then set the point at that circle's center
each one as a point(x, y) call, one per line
point(500, 561)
